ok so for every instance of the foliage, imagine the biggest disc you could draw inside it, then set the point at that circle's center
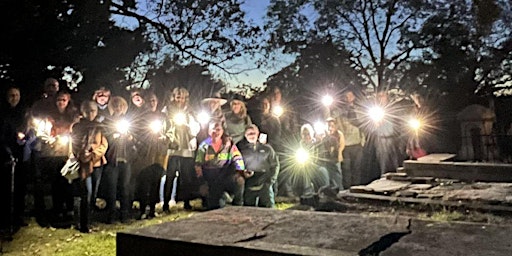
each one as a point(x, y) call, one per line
point(319, 65)
point(60, 34)
point(464, 44)
point(210, 33)
point(370, 30)
point(437, 47)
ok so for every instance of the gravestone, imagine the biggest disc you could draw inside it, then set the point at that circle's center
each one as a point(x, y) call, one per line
point(476, 123)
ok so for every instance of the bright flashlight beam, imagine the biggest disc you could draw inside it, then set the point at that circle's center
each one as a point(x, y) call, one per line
point(203, 117)
point(278, 111)
point(156, 126)
point(376, 113)
point(415, 124)
point(302, 156)
point(64, 140)
point(327, 100)
point(123, 126)
point(320, 127)
point(180, 119)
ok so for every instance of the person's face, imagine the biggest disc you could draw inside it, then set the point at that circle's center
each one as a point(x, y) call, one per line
point(251, 135)
point(90, 113)
point(265, 106)
point(180, 99)
point(236, 106)
point(216, 131)
point(331, 127)
point(62, 102)
point(137, 99)
point(214, 105)
point(153, 102)
point(52, 88)
point(118, 109)
point(306, 136)
point(102, 98)
point(350, 97)
point(13, 97)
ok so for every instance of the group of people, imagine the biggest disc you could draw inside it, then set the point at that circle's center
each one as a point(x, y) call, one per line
point(155, 150)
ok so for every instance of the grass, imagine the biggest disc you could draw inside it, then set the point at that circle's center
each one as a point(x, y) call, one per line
point(34, 240)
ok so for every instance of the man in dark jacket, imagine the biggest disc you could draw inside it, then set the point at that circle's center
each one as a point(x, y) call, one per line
point(262, 168)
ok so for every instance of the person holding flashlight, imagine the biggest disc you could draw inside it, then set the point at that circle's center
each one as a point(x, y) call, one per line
point(117, 173)
point(89, 146)
point(262, 168)
point(181, 134)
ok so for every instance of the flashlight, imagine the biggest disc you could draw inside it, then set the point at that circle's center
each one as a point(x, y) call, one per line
point(156, 126)
point(278, 111)
point(414, 123)
point(43, 127)
point(63, 140)
point(320, 127)
point(203, 117)
point(376, 113)
point(302, 156)
point(327, 100)
point(122, 126)
point(180, 119)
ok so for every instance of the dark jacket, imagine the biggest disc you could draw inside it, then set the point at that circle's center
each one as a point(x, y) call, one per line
point(262, 160)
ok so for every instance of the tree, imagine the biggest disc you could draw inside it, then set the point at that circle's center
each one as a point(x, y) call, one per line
point(210, 33)
point(196, 78)
point(371, 30)
point(42, 38)
point(465, 45)
point(320, 65)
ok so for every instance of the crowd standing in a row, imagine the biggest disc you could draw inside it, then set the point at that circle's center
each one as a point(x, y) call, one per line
point(155, 150)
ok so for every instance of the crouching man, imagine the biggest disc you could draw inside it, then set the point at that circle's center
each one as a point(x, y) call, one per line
point(262, 168)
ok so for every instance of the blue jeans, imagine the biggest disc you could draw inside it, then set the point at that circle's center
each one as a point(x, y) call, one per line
point(117, 178)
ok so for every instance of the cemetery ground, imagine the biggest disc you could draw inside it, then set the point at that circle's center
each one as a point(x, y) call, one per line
point(34, 240)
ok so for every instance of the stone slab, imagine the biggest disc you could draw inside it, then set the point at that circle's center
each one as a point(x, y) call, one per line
point(436, 158)
point(386, 186)
point(257, 231)
point(464, 171)
point(453, 238)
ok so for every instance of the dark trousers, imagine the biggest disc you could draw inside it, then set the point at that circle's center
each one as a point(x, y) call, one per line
point(258, 194)
point(117, 178)
point(148, 186)
point(220, 181)
point(183, 168)
point(352, 156)
point(334, 172)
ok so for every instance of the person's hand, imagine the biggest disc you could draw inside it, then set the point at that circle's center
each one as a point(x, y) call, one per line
point(199, 171)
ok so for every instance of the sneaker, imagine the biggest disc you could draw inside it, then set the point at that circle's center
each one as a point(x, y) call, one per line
point(172, 203)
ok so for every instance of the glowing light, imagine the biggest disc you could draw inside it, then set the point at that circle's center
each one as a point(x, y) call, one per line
point(327, 100)
point(21, 135)
point(156, 126)
point(122, 126)
point(320, 127)
point(414, 123)
point(43, 127)
point(278, 111)
point(63, 140)
point(376, 113)
point(180, 118)
point(203, 117)
point(302, 156)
